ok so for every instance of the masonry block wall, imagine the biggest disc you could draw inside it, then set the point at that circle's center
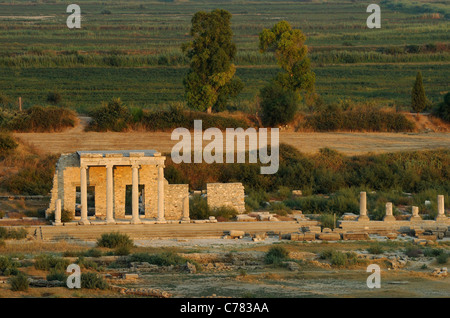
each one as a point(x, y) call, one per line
point(173, 199)
point(226, 194)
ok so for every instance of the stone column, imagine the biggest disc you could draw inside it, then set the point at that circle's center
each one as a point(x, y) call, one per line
point(389, 215)
point(363, 207)
point(441, 209)
point(185, 218)
point(83, 188)
point(161, 217)
point(415, 214)
point(58, 212)
point(110, 194)
point(135, 195)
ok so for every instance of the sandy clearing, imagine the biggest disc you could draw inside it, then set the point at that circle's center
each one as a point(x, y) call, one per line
point(347, 143)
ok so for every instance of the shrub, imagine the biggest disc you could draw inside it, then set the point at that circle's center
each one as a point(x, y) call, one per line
point(280, 208)
point(115, 239)
point(19, 282)
point(278, 104)
point(93, 281)
point(93, 253)
point(198, 208)
point(276, 255)
point(433, 252)
point(42, 119)
point(66, 216)
point(224, 213)
point(54, 98)
point(333, 118)
point(57, 275)
point(326, 254)
point(7, 144)
point(413, 252)
point(375, 249)
point(122, 250)
point(88, 264)
point(442, 259)
point(7, 267)
point(442, 109)
point(16, 234)
point(162, 259)
point(327, 220)
point(338, 259)
point(48, 262)
point(113, 116)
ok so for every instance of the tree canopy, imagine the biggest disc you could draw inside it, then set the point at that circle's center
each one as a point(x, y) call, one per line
point(418, 97)
point(210, 81)
point(280, 98)
point(291, 54)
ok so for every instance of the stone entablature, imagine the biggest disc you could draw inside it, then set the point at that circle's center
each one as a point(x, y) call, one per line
point(109, 173)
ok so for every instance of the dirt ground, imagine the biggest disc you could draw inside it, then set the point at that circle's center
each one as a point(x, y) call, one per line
point(349, 143)
point(248, 278)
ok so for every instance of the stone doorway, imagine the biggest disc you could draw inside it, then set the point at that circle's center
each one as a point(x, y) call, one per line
point(128, 199)
point(90, 201)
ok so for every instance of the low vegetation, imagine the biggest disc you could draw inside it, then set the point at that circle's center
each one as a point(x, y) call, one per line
point(276, 255)
point(38, 119)
point(115, 240)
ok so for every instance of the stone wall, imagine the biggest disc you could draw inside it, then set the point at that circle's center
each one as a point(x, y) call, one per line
point(226, 194)
point(173, 200)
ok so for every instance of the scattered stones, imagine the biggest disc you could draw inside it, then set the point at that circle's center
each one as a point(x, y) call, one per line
point(45, 283)
point(349, 217)
point(142, 292)
point(234, 234)
point(292, 266)
point(258, 237)
point(245, 218)
point(189, 268)
point(355, 236)
point(309, 236)
point(129, 276)
point(392, 236)
point(329, 236)
point(440, 272)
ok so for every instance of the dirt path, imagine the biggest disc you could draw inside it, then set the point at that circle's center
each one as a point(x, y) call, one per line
point(347, 143)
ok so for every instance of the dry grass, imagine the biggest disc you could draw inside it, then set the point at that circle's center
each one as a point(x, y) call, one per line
point(348, 143)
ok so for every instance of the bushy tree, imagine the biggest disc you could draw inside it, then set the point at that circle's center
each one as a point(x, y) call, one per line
point(114, 116)
point(278, 104)
point(442, 110)
point(291, 54)
point(418, 97)
point(210, 81)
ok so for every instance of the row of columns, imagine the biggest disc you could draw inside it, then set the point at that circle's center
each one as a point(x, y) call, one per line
point(110, 194)
point(389, 214)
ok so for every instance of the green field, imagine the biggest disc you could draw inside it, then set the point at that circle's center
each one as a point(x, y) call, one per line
point(131, 49)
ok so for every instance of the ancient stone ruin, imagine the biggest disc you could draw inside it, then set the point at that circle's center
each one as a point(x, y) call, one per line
point(117, 185)
point(128, 186)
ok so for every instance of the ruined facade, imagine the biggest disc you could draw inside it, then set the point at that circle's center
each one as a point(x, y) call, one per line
point(226, 194)
point(110, 186)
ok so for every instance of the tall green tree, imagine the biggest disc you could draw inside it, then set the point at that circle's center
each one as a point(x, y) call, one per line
point(210, 81)
point(296, 76)
point(291, 53)
point(418, 97)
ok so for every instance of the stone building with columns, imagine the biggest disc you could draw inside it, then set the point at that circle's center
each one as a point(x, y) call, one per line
point(126, 186)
